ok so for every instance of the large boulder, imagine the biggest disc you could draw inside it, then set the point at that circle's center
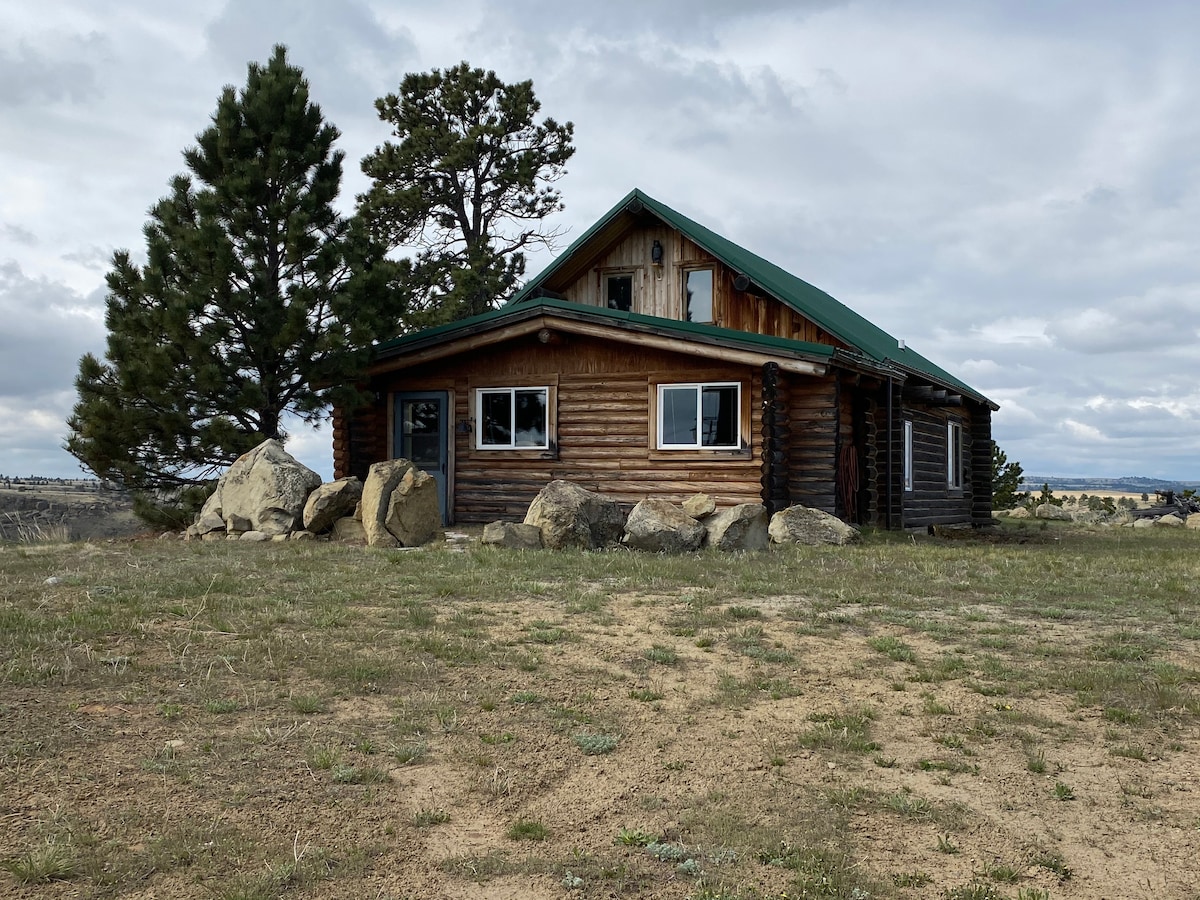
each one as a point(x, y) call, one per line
point(662, 527)
point(512, 535)
point(571, 516)
point(699, 506)
point(414, 516)
point(1052, 512)
point(349, 530)
point(264, 490)
point(382, 479)
point(1169, 521)
point(330, 502)
point(1021, 512)
point(1193, 521)
point(741, 527)
point(804, 525)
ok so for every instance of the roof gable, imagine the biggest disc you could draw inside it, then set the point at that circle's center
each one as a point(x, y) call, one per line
point(809, 301)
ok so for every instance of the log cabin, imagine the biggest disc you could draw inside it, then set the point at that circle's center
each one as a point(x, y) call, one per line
point(656, 358)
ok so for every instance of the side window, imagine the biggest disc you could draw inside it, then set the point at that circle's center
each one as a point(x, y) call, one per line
point(954, 449)
point(618, 291)
point(698, 295)
point(699, 416)
point(908, 455)
point(512, 418)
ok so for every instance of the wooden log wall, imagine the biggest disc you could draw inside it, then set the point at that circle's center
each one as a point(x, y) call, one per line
point(813, 415)
point(980, 470)
point(889, 478)
point(359, 439)
point(931, 501)
point(605, 436)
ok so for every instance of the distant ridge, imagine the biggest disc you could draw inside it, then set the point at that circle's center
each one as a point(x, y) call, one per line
point(1134, 484)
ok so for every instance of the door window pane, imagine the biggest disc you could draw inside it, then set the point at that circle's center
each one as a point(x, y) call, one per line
point(421, 442)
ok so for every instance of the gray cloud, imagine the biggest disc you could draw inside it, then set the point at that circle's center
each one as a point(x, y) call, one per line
point(1013, 189)
point(32, 75)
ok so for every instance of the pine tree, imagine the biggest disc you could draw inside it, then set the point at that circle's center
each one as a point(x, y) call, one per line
point(468, 183)
point(257, 298)
point(1007, 478)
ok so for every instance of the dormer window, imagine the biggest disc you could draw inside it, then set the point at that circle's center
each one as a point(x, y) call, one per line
point(698, 295)
point(618, 291)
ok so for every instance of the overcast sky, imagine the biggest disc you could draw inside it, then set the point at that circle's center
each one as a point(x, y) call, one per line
point(1011, 187)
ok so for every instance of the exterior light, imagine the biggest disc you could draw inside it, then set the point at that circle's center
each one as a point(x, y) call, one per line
point(656, 253)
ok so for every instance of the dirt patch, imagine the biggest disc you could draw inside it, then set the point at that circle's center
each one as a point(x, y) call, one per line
point(746, 734)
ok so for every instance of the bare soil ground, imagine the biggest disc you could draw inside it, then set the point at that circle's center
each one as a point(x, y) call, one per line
point(945, 719)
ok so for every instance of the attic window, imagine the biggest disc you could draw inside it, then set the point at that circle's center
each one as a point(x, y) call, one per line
point(618, 291)
point(698, 295)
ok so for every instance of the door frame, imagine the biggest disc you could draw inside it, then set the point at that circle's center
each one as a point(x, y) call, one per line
point(445, 479)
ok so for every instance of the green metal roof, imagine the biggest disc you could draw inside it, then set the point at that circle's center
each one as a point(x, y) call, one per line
point(635, 322)
point(814, 304)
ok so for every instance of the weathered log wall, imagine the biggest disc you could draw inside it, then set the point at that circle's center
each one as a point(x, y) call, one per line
point(605, 436)
point(932, 501)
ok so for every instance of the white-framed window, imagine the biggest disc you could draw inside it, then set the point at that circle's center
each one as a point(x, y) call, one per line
point(908, 454)
point(514, 418)
point(954, 451)
point(700, 416)
point(698, 295)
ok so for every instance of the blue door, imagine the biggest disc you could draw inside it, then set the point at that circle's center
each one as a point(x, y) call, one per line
point(422, 435)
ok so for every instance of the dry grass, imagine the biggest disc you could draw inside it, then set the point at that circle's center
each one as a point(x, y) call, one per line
point(907, 719)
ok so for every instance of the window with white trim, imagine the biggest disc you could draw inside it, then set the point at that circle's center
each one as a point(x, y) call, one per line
point(699, 416)
point(908, 455)
point(512, 418)
point(954, 448)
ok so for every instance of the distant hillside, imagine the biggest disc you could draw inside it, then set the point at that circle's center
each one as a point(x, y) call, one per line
point(1134, 484)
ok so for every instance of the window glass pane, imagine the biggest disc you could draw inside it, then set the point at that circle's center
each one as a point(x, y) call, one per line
point(908, 456)
point(422, 440)
point(496, 412)
point(530, 419)
point(720, 416)
point(678, 414)
point(620, 292)
point(700, 296)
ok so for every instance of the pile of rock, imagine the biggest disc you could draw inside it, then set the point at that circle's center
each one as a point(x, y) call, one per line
point(565, 515)
point(268, 495)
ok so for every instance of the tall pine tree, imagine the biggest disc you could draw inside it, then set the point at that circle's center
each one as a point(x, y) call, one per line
point(468, 182)
point(257, 299)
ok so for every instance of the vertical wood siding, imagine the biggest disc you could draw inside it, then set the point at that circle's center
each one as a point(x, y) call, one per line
point(658, 290)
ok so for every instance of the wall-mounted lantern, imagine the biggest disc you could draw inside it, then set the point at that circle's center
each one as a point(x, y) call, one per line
point(656, 253)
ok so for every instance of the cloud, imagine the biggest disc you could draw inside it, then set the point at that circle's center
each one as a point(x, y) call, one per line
point(50, 68)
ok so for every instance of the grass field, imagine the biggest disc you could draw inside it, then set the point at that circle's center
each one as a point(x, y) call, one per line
point(1013, 717)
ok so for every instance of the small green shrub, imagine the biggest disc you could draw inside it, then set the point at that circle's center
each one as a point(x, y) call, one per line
point(596, 744)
